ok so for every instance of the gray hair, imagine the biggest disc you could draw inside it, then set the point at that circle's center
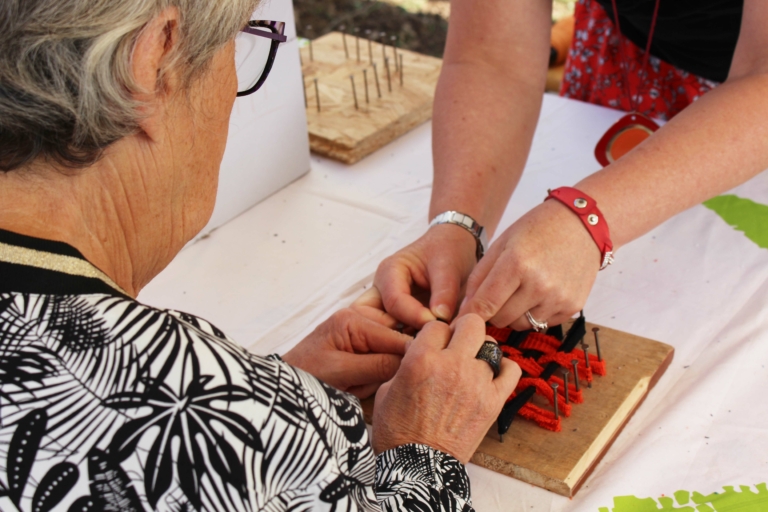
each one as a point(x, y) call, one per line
point(65, 70)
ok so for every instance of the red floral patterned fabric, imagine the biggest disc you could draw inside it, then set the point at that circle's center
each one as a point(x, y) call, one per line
point(593, 70)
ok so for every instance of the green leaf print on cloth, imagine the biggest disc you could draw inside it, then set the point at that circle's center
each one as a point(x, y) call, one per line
point(731, 500)
point(743, 215)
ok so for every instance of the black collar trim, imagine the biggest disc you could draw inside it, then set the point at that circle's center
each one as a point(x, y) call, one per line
point(38, 266)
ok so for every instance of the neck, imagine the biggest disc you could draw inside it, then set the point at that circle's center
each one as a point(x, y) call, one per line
point(91, 210)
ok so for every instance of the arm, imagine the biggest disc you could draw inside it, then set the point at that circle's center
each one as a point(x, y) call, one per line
point(417, 477)
point(430, 419)
point(546, 262)
point(486, 108)
point(712, 146)
point(487, 104)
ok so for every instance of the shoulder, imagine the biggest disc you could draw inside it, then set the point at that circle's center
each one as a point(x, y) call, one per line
point(266, 431)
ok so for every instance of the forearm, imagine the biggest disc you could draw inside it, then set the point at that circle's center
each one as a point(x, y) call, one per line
point(487, 104)
point(712, 146)
point(483, 125)
point(417, 477)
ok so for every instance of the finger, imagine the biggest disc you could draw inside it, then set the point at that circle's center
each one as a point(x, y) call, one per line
point(367, 369)
point(508, 377)
point(482, 269)
point(524, 299)
point(492, 294)
point(468, 336)
point(378, 316)
point(559, 318)
point(434, 336)
point(370, 336)
point(371, 298)
point(363, 392)
point(445, 283)
point(540, 313)
point(371, 307)
point(485, 363)
point(394, 282)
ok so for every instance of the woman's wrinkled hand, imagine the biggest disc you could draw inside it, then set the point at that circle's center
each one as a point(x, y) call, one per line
point(545, 263)
point(442, 396)
point(350, 352)
point(439, 262)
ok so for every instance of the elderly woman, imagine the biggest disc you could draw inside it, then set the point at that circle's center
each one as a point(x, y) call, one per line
point(113, 122)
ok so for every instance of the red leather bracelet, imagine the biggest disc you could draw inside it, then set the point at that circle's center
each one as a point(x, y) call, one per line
point(586, 209)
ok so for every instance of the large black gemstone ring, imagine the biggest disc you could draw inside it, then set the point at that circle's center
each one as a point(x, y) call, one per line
point(491, 354)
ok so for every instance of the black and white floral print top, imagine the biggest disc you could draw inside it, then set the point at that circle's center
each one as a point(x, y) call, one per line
point(107, 404)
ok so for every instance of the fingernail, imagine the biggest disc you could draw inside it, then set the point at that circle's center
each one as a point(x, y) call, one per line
point(442, 312)
point(427, 316)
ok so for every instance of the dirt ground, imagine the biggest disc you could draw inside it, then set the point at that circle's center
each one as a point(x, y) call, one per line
point(417, 31)
point(418, 25)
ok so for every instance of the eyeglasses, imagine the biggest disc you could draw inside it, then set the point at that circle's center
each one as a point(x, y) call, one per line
point(254, 56)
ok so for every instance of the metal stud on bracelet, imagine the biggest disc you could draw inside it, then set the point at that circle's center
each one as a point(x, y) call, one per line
point(586, 209)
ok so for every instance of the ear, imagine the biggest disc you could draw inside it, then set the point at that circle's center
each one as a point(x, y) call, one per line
point(154, 83)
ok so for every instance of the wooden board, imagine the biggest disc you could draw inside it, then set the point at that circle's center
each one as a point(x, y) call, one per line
point(561, 461)
point(341, 131)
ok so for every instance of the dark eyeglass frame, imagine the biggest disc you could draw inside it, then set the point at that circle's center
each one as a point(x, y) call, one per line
point(276, 34)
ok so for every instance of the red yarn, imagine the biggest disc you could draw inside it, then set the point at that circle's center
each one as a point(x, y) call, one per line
point(540, 342)
point(527, 364)
point(546, 391)
point(543, 418)
point(533, 367)
point(564, 360)
point(576, 397)
point(500, 334)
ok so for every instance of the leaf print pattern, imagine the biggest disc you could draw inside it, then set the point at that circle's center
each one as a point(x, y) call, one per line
point(22, 452)
point(188, 417)
point(106, 404)
point(54, 486)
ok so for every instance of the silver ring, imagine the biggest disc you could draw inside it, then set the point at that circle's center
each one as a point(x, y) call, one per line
point(491, 354)
point(537, 326)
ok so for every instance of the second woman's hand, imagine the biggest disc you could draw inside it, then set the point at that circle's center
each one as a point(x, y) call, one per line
point(439, 263)
point(545, 263)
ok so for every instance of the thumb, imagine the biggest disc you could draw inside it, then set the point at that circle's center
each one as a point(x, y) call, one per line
point(445, 285)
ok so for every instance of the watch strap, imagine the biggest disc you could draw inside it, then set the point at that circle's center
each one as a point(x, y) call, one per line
point(468, 223)
point(586, 209)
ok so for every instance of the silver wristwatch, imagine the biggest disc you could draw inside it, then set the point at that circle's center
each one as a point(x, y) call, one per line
point(468, 223)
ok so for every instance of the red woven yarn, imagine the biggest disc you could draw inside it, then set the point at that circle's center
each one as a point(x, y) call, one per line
point(533, 368)
point(500, 334)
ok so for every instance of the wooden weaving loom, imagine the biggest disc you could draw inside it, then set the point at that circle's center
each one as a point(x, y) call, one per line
point(561, 461)
point(347, 122)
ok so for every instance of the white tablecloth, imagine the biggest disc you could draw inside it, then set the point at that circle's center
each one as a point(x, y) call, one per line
point(272, 274)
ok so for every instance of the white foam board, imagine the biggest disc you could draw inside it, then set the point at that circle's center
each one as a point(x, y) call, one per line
point(268, 146)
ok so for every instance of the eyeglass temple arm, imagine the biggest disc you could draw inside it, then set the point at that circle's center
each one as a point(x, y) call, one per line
point(263, 33)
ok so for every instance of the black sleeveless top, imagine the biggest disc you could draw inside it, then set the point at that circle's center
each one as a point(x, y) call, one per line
point(698, 36)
